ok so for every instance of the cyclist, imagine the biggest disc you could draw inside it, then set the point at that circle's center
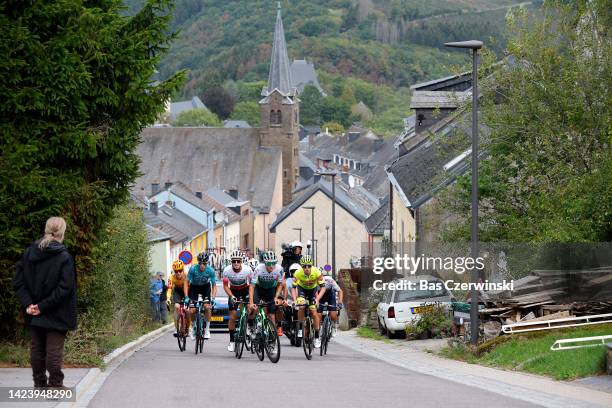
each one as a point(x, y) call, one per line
point(267, 285)
point(236, 282)
point(328, 290)
point(306, 281)
point(177, 289)
point(202, 281)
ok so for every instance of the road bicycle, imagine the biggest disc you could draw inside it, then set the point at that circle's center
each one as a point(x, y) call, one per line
point(181, 328)
point(266, 338)
point(308, 334)
point(327, 325)
point(242, 339)
point(199, 323)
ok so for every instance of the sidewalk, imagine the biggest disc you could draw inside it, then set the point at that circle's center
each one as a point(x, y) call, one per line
point(523, 386)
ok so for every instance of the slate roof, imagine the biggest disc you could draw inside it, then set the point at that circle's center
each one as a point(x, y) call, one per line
point(303, 73)
point(279, 77)
point(155, 235)
point(420, 173)
point(223, 197)
point(356, 205)
point(181, 190)
point(437, 99)
point(378, 222)
point(456, 82)
point(181, 106)
point(176, 224)
point(210, 157)
point(243, 124)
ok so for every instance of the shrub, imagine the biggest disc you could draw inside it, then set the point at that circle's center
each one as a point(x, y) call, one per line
point(433, 322)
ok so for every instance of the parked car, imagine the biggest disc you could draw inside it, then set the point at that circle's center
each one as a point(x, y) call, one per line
point(400, 307)
point(220, 315)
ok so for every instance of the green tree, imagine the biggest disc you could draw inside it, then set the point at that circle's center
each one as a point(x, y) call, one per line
point(248, 111)
point(336, 110)
point(548, 175)
point(311, 102)
point(76, 92)
point(197, 117)
point(219, 101)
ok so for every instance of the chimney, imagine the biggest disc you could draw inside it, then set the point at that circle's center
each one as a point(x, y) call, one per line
point(199, 194)
point(352, 136)
point(234, 193)
point(316, 177)
point(378, 143)
point(311, 141)
point(154, 188)
point(167, 185)
point(153, 207)
point(344, 176)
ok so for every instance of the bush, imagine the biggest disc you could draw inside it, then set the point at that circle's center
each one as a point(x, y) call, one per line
point(114, 299)
point(435, 322)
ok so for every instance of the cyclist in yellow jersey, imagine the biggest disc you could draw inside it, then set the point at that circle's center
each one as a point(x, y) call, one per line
point(178, 289)
point(306, 282)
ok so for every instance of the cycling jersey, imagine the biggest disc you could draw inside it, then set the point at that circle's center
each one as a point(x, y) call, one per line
point(200, 278)
point(237, 280)
point(307, 281)
point(330, 284)
point(265, 279)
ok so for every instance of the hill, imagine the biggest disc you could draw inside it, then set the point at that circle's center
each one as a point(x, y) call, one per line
point(389, 43)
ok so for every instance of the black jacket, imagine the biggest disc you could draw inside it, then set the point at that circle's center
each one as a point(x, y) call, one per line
point(289, 258)
point(48, 279)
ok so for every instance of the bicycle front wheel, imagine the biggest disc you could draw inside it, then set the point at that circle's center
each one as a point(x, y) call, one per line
point(272, 342)
point(239, 338)
point(198, 332)
point(308, 338)
point(180, 333)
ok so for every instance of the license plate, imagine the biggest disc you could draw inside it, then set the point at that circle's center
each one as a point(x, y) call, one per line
point(421, 309)
point(216, 318)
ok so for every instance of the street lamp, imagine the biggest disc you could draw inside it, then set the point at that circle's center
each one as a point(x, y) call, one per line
point(474, 46)
point(333, 175)
point(327, 244)
point(300, 230)
point(311, 208)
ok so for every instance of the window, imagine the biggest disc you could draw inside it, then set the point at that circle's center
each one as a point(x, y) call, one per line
point(273, 117)
point(279, 117)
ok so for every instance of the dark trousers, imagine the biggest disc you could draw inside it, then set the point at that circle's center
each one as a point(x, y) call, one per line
point(47, 354)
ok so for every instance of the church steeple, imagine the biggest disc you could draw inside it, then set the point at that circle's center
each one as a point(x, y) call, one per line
point(280, 73)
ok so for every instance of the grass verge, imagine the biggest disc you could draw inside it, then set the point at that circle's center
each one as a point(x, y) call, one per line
point(369, 333)
point(531, 352)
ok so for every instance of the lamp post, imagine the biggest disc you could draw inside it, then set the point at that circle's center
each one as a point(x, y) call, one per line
point(312, 240)
point(327, 244)
point(474, 46)
point(300, 230)
point(333, 175)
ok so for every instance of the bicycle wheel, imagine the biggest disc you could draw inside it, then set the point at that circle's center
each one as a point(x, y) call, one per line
point(272, 342)
point(258, 343)
point(197, 330)
point(327, 329)
point(323, 334)
point(180, 333)
point(308, 338)
point(239, 338)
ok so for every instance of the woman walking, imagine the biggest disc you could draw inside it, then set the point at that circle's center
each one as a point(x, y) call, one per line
point(45, 283)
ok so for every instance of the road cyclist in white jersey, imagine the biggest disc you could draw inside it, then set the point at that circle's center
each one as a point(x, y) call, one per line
point(236, 282)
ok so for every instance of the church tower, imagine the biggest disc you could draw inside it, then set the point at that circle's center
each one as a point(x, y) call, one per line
point(280, 111)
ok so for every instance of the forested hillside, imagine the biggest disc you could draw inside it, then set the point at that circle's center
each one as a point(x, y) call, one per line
point(383, 42)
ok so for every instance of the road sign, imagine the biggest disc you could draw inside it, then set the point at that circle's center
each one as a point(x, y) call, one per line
point(186, 257)
point(327, 268)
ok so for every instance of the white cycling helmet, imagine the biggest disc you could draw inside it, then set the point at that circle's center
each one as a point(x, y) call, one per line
point(269, 257)
point(253, 263)
point(294, 267)
point(236, 254)
point(297, 244)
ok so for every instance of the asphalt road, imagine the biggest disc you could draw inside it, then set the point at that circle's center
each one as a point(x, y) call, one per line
point(160, 375)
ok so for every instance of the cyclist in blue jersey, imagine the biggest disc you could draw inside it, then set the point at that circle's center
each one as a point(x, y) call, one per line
point(267, 285)
point(202, 281)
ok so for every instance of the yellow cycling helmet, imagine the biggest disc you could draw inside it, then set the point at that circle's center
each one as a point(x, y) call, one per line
point(178, 265)
point(306, 260)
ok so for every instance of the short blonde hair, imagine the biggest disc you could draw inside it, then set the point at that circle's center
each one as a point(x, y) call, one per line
point(54, 231)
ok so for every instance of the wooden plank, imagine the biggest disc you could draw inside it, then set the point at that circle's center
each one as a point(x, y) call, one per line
point(553, 316)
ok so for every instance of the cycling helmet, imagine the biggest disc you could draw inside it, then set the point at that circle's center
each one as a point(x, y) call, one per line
point(245, 259)
point(202, 257)
point(236, 254)
point(270, 257)
point(178, 265)
point(306, 260)
point(294, 267)
point(297, 244)
point(253, 263)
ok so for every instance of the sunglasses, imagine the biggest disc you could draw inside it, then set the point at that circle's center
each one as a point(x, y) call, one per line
point(306, 266)
point(236, 261)
point(270, 263)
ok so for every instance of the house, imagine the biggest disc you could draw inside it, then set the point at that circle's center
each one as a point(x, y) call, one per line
point(160, 251)
point(303, 73)
point(352, 209)
point(176, 108)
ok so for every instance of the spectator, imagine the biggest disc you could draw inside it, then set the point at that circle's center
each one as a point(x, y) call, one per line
point(45, 283)
point(163, 307)
point(155, 295)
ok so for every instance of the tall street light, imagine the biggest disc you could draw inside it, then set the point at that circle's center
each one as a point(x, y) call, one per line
point(312, 240)
point(300, 230)
point(474, 46)
point(333, 175)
